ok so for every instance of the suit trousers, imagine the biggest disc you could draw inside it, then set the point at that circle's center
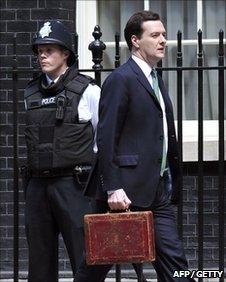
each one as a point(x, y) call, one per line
point(53, 206)
point(169, 250)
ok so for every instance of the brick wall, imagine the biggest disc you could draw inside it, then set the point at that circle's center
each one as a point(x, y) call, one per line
point(190, 220)
point(21, 18)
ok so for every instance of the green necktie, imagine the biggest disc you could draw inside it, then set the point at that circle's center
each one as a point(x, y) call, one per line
point(155, 87)
point(155, 84)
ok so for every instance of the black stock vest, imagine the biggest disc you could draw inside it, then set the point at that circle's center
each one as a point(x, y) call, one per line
point(54, 136)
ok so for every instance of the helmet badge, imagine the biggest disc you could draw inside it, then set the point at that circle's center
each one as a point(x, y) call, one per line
point(45, 30)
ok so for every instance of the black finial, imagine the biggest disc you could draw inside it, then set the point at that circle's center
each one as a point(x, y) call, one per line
point(97, 47)
point(200, 43)
point(221, 43)
point(179, 37)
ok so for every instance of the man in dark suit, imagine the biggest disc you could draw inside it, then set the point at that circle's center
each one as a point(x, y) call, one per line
point(137, 163)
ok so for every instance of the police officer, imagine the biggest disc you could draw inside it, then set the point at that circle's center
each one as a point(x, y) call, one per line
point(61, 118)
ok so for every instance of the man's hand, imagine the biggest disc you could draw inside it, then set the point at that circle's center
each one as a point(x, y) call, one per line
point(118, 200)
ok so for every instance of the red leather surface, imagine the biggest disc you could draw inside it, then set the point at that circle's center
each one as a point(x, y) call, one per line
point(119, 238)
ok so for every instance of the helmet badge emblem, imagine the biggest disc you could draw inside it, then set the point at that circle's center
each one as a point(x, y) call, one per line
point(45, 30)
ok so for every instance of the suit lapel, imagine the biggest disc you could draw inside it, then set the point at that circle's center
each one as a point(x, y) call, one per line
point(145, 83)
point(142, 78)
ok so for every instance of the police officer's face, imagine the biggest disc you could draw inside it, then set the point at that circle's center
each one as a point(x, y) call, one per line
point(52, 59)
point(150, 47)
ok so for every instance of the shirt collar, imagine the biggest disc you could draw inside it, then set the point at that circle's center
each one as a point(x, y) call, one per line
point(49, 80)
point(146, 69)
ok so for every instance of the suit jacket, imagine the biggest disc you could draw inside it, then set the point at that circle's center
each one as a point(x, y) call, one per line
point(130, 137)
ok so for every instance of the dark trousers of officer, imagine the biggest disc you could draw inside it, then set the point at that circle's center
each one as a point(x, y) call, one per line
point(169, 250)
point(53, 205)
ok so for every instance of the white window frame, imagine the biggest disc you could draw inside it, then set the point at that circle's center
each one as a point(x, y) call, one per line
point(86, 20)
point(89, 10)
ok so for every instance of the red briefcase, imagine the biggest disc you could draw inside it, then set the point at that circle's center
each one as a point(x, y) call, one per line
point(119, 238)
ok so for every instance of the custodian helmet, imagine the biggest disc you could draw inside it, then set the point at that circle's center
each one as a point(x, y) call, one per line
point(54, 32)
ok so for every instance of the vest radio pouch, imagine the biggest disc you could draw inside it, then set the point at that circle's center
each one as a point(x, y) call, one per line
point(61, 101)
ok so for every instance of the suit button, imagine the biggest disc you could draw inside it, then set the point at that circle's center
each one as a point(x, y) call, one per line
point(160, 160)
point(173, 136)
point(161, 137)
point(160, 115)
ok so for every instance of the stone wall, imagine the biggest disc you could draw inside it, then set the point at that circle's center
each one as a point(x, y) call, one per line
point(20, 19)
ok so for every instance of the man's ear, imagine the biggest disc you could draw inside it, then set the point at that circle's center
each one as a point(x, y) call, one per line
point(135, 41)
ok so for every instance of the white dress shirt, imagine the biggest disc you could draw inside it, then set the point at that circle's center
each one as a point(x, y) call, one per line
point(88, 106)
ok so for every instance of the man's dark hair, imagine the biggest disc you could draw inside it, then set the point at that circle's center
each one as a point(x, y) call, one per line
point(134, 25)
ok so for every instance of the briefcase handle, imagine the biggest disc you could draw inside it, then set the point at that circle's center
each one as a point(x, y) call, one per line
point(118, 211)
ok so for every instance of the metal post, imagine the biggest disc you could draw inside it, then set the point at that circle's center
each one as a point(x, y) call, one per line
point(76, 50)
point(200, 154)
point(138, 267)
point(117, 50)
point(118, 273)
point(180, 128)
point(97, 47)
point(159, 68)
point(35, 66)
point(221, 192)
point(15, 167)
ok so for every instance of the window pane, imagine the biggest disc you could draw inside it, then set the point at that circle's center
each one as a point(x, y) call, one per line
point(214, 12)
point(214, 18)
point(177, 15)
point(190, 81)
point(109, 18)
point(113, 16)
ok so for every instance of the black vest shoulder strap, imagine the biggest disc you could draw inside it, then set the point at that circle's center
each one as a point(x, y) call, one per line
point(78, 84)
point(32, 87)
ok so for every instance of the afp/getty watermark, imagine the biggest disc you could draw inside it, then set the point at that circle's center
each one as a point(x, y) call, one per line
point(198, 273)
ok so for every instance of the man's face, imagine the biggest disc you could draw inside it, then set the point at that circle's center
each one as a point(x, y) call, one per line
point(52, 59)
point(151, 46)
